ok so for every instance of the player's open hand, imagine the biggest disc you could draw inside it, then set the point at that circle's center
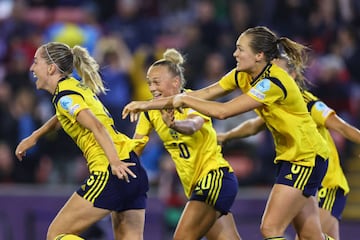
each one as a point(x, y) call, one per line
point(121, 170)
point(133, 109)
point(168, 117)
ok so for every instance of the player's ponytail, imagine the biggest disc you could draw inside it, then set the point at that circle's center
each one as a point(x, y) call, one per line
point(174, 61)
point(265, 41)
point(88, 69)
point(66, 59)
point(297, 57)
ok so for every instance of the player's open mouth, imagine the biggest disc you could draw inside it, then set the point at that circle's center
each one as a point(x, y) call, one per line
point(158, 95)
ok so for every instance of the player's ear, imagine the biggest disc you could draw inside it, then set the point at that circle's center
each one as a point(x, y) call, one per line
point(177, 81)
point(259, 56)
point(51, 68)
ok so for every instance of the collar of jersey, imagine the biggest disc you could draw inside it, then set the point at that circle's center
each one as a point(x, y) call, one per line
point(264, 72)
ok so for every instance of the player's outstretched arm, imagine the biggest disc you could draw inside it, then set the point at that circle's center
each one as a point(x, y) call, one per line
point(135, 107)
point(211, 92)
point(31, 140)
point(334, 122)
point(219, 110)
point(245, 129)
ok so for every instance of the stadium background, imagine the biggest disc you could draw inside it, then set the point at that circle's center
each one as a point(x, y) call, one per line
point(125, 36)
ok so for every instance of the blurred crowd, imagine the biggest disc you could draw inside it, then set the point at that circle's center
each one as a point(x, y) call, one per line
point(125, 36)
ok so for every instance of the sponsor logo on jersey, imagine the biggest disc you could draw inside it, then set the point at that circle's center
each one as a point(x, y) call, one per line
point(257, 94)
point(73, 109)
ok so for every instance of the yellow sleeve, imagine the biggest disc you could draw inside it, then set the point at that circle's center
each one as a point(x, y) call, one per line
point(71, 105)
point(266, 92)
point(235, 80)
point(144, 126)
point(320, 112)
point(228, 82)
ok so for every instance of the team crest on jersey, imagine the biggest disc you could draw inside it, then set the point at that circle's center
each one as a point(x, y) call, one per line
point(174, 134)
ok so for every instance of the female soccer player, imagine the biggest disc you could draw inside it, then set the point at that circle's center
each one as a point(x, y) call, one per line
point(333, 192)
point(117, 183)
point(207, 178)
point(301, 153)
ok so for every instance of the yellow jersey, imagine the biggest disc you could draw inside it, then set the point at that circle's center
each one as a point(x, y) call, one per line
point(335, 176)
point(235, 79)
point(194, 155)
point(70, 97)
point(284, 111)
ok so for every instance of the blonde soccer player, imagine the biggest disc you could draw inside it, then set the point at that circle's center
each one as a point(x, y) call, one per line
point(117, 183)
point(207, 178)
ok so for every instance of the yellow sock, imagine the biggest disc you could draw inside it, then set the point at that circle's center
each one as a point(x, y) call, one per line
point(328, 237)
point(67, 237)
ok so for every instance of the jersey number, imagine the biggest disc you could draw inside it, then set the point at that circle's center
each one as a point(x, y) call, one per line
point(184, 151)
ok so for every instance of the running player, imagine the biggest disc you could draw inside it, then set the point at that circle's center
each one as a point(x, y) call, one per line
point(334, 190)
point(207, 178)
point(117, 183)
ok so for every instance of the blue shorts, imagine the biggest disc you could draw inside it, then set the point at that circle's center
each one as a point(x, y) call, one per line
point(107, 191)
point(218, 188)
point(332, 200)
point(307, 179)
